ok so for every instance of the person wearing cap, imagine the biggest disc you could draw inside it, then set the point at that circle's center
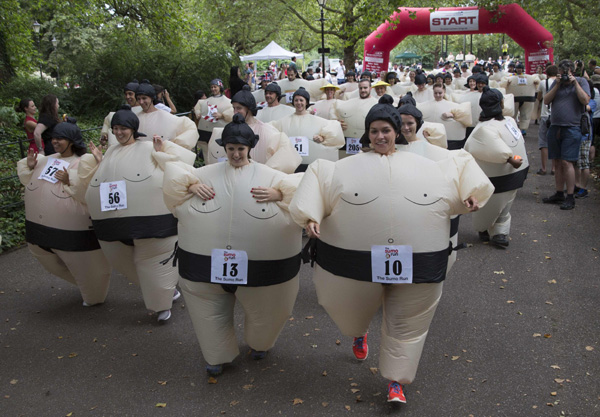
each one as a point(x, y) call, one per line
point(455, 117)
point(322, 107)
point(313, 137)
point(123, 191)
point(499, 148)
point(351, 115)
point(274, 148)
point(212, 112)
point(106, 136)
point(274, 109)
point(524, 88)
point(222, 210)
point(381, 88)
point(510, 68)
point(179, 130)
point(259, 95)
point(362, 211)
point(58, 229)
point(423, 93)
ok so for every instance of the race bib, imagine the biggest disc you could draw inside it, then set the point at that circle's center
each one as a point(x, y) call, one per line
point(113, 196)
point(353, 146)
point(522, 81)
point(52, 167)
point(289, 97)
point(300, 143)
point(229, 267)
point(513, 130)
point(261, 105)
point(392, 264)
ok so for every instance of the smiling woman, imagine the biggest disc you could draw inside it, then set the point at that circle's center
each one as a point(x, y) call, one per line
point(382, 223)
point(222, 210)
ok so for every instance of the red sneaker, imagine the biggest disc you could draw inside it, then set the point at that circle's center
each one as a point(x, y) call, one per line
point(395, 393)
point(360, 347)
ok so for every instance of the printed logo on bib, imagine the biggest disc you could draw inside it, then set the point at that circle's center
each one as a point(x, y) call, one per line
point(52, 167)
point(353, 146)
point(522, 81)
point(392, 264)
point(113, 196)
point(300, 143)
point(229, 267)
point(289, 97)
point(513, 130)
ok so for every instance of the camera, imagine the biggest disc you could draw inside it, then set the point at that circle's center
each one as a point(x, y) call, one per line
point(564, 78)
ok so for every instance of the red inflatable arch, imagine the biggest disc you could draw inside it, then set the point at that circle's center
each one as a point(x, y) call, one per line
point(513, 20)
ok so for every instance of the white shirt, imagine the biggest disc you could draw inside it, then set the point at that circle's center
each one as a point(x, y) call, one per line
point(341, 72)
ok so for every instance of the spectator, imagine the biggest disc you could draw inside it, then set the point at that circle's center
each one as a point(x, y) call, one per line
point(249, 78)
point(235, 81)
point(340, 71)
point(569, 96)
point(27, 106)
point(46, 122)
point(596, 117)
point(551, 73)
point(162, 95)
point(292, 64)
point(582, 170)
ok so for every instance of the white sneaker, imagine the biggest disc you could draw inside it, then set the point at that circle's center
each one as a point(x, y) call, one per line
point(85, 304)
point(176, 295)
point(164, 315)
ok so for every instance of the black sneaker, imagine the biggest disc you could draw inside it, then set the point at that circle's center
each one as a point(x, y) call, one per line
point(555, 198)
point(582, 193)
point(484, 236)
point(569, 204)
point(499, 240)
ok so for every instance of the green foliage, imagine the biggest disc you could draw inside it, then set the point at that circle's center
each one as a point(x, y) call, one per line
point(12, 227)
point(34, 88)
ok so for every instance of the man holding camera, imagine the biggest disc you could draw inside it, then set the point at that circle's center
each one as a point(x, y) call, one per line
point(567, 97)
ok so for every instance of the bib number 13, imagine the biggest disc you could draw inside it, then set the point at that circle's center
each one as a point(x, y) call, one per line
point(229, 267)
point(392, 264)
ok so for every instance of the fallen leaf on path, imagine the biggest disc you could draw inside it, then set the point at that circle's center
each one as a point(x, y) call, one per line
point(455, 357)
point(14, 381)
point(162, 382)
point(549, 303)
point(324, 373)
point(374, 370)
point(553, 393)
point(234, 402)
point(297, 401)
point(72, 355)
point(161, 405)
point(347, 407)
point(559, 380)
point(552, 281)
point(309, 317)
point(547, 335)
point(589, 348)
point(554, 366)
point(337, 342)
point(212, 380)
point(510, 302)
point(248, 386)
point(537, 335)
point(354, 384)
point(499, 272)
point(324, 404)
point(354, 390)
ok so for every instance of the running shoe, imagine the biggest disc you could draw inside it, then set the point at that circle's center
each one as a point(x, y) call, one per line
point(499, 240)
point(555, 198)
point(569, 204)
point(582, 193)
point(214, 370)
point(258, 354)
point(164, 315)
point(360, 347)
point(395, 393)
point(176, 295)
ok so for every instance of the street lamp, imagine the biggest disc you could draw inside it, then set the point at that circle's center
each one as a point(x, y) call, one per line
point(36, 29)
point(55, 44)
point(322, 4)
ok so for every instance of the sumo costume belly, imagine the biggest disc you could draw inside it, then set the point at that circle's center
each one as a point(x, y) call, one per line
point(369, 199)
point(233, 220)
point(137, 238)
point(524, 89)
point(313, 87)
point(273, 149)
point(308, 126)
point(492, 144)
point(59, 232)
point(269, 114)
point(423, 96)
point(107, 129)
point(353, 113)
point(322, 108)
point(456, 128)
point(179, 130)
point(205, 126)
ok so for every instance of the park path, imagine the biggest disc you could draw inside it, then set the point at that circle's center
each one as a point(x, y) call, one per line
point(516, 334)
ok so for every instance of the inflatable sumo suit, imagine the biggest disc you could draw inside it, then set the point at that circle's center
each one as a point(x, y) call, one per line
point(289, 87)
point(233, 220)
point(106, 128)
point(58, 229)
point(205, 126)
point(269, 114)
point(179, 130)
point(322, 108)
point(492, 143)
point(353, 113)
point(524, 89)
point(368, 200)
point(308, 125)
point(456, 128)
point(137, 238)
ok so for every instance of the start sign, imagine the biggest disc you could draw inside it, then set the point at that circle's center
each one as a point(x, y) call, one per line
point(454, 21)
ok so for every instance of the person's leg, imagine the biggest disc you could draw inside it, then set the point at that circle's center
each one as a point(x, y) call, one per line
point(266, 309)
point(120, 257)
point(407, 313)
point(52, 263)
point(351, 304)
point(91, 270)
point(501, 225)
point(211, 311)
point(157, 281)
point(544, 159)
point(543, 145)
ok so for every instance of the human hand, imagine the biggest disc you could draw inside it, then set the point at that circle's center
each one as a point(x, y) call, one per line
point(205, 192)
point(313, 229)
point(31, 158)
point(266, 195)
point(318, 138)
point(63, 176)
point(516, 161)
point(167, 95)
point(447, 115)
point(217, 115)
point(344, 125)
point(472, 204)
point(103, 139)
point(96, 152)
point(157, 141)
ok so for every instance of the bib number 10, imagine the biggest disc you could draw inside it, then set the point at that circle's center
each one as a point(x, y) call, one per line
point(392, 264)
point(396, 267)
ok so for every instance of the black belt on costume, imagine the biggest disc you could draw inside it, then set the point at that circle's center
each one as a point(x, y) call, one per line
point(67, 240)
point(509, 182)
point(456, 144)
point(428, 267)
point(525, 99)
point(454, 225)
point(135, 227)
point(196, 268)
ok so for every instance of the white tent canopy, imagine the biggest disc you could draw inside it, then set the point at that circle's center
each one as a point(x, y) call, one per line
point(271, 51)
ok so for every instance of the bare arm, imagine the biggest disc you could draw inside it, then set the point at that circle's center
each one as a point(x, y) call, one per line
point(549, 97)
point(170, 102)
point(37, 135)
